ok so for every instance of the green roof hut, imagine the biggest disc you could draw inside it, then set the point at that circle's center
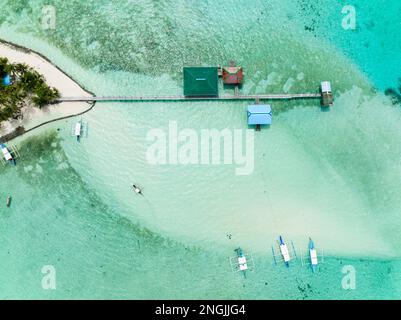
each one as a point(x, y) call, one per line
point(201, 82)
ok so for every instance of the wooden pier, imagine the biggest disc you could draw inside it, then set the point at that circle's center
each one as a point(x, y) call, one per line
point(183, 98)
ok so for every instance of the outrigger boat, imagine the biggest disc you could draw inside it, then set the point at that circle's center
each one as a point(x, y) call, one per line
point(7, 154)
point(284, 252)
point(78, 130)
point(242, 263)
point(137, 189)
point(313, 255)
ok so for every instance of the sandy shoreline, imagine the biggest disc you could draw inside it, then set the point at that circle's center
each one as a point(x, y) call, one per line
point(34, 117)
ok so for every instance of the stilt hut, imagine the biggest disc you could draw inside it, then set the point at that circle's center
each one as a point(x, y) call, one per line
point(327, 94)
point(201, 82)
point(232, 75)
point(6, 80)
point(259, 114)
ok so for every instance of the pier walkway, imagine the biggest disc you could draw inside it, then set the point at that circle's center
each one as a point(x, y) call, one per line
point(183, 98)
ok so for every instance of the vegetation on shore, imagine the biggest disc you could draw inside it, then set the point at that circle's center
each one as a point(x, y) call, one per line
point(27, 88)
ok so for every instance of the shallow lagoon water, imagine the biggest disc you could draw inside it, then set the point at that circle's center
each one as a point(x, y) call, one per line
point(329, 175)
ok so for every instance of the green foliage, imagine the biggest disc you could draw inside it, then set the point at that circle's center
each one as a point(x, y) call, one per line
point(28, 88)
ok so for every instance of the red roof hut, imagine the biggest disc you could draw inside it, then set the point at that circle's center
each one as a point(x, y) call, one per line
point(233, 75)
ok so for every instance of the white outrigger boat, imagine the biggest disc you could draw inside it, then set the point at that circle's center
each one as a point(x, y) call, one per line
point(284, 254)
point(8, 156)
point(313, 257)
point(78, 130)
point(242, 262)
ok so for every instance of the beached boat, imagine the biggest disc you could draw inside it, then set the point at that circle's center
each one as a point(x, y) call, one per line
point(242, 262)
point(284, 252)
point(313, 255)
point(7, 154)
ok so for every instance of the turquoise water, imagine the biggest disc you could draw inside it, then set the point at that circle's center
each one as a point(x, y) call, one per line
point(329, 175)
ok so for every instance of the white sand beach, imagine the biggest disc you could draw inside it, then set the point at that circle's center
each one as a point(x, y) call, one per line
point(55, 78)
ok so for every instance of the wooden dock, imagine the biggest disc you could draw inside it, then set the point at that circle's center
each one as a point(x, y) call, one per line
point(183, 98)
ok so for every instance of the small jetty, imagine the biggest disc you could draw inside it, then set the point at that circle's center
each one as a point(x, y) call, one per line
point(151, 98)
point(202, 84)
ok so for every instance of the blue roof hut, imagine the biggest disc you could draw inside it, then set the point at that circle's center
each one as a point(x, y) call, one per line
point(6, 80)
point(259, 114)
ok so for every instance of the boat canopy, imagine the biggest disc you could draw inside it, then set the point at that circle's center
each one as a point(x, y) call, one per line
point(7, 155)
point(78, 127)
point(242, 263)
point(313, 257)
point(284, 252)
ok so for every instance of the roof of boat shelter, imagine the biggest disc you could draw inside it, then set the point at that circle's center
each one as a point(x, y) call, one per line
point(259, 114)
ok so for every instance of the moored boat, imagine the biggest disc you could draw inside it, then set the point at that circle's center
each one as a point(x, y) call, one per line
point(137, 189)
point(78, 130)
point(313, 255)
point(8, 202)
point(242, 262)
point(284, 252)
point(7, 154)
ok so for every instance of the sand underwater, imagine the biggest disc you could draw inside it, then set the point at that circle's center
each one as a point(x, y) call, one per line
point(333, 176)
